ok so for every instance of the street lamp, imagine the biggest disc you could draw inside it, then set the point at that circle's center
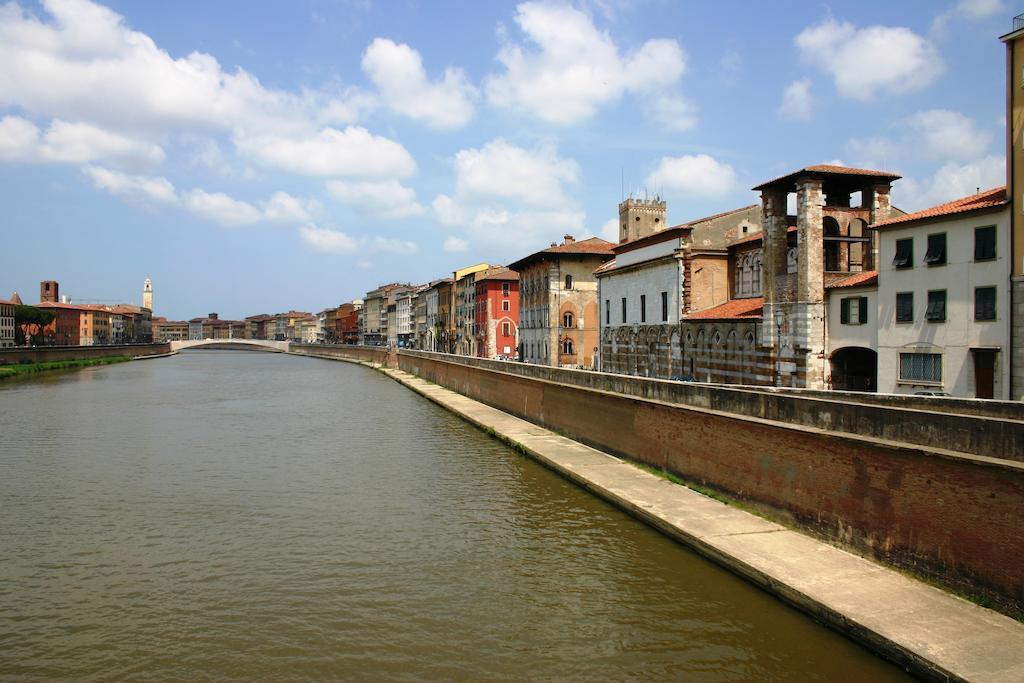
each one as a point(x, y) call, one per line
point(780, 317)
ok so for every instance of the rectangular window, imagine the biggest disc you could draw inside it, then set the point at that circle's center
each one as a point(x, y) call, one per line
point(853, 310)
point(506, 306)
point(905, 307)
point(984, 303)
point(921, 367)
point(607, 312)
point(936, 254)
point(664, 307)
point(643, 308)
point(505, 288)
point(985, 243)
point(904, 253)
point(506, 329)
point(623, 310)
point(936, 311)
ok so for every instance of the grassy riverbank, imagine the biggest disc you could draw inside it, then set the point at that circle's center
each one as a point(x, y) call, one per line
point(22, 369)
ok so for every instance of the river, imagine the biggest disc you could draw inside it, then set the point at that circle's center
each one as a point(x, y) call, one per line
point(240, 515)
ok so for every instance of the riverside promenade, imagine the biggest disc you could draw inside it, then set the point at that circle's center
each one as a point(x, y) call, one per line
point(929, 632)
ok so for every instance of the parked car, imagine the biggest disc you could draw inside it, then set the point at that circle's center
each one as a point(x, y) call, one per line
point(930, 393)
point(683, 378)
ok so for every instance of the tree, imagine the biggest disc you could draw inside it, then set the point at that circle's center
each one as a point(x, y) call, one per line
point(29, 324)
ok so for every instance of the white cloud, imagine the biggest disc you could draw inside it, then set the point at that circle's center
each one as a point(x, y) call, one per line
point(951, 181)
point(971, 10)
point(500, 169)
point(397, 71)
point(935, 134)
point(456, 244)
point(671, 111)
point(73, 143)
point(220, 208)
point(797, 100)
point(697, 174)
point(569, 68)
point(327, 241)
point(337, 242)
point(351, 153)
point(610, 230)
point(134, 188)
point(385, 199)
point(949, 134)
point(980, 9)
point(510, 197)
point(866, 61)
point(395, 246)
point(284, 208)
point(448, 211)
point(82, 62)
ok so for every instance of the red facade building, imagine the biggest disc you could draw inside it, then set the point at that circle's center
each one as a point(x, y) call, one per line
point(497, 314)
point(348, 324)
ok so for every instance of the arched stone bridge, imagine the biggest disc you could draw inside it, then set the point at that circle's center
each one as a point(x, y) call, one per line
point(232, 344)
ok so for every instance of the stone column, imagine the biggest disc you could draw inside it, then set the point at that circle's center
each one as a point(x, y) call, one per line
point(810, 245)
point(807, 334)
point(881, 209)
point(773, 257)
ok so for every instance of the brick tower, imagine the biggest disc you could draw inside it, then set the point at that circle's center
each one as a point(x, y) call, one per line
point(49, 291)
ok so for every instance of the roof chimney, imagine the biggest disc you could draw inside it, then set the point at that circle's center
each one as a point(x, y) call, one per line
point(568, 239)
point(212, 316)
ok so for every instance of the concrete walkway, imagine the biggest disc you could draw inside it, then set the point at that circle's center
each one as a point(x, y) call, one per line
point(925, 630)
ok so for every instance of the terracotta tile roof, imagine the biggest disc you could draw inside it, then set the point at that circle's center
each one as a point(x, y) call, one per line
point(9, 303)
point(756, 237)
point(593, 246)
point(730, 310)
point(499, 274)
point(827, 169)
point(983, 200)
point(868, 277)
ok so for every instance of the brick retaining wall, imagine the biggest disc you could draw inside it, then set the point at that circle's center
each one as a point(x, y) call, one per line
point(955, 519)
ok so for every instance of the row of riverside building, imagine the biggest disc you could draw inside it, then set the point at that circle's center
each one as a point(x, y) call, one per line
point(81, 324)
point(849, 293)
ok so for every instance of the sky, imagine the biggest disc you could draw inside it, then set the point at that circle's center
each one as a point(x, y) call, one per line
point(254, 157)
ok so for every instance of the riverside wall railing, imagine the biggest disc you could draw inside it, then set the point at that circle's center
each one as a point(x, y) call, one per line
point(840, 472)
point(42, 354)
point(911, 421)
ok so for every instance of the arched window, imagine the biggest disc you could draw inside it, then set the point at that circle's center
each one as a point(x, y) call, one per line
point(567, 347)
point(756, 267)
point(568, 281)
point(568, 321)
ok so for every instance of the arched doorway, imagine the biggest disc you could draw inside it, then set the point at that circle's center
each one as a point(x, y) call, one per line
point(855, 368)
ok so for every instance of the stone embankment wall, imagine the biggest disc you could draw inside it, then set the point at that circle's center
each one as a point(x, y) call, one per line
point(901, 419)
point(44, 354)
point(954, 518)
point(363, 354)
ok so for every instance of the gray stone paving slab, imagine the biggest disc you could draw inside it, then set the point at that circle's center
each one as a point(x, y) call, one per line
point(934, 633)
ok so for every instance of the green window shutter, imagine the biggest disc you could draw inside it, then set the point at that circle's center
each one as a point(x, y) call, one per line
point(844, 311)
point(863, 310)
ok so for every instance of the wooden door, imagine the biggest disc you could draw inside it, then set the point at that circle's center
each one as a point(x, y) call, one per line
point(984, 372)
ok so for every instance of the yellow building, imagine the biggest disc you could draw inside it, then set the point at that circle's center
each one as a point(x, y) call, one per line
point(1015, 191)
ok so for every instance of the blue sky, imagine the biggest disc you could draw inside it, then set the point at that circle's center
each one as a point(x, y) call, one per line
point(255, 157)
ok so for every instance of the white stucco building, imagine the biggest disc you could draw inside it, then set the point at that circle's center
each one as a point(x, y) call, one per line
point(944, 299)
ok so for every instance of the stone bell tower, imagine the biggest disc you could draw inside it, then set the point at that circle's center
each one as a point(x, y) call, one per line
point(147, 294)
point(640, 218)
